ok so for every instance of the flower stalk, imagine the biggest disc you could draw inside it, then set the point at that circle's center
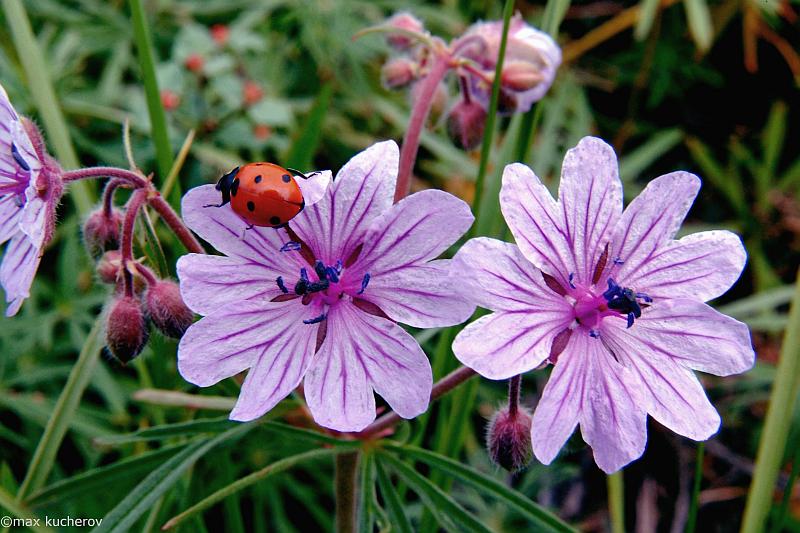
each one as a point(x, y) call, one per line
point(346, 483)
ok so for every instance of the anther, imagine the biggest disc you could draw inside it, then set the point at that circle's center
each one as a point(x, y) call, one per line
point(364, 283)
point(319, 268)
point(601, 265)
point(571, 277)
point(291, 246)
point(595, 334)
point(315, 320)
point(281, 285)
point(18, 158)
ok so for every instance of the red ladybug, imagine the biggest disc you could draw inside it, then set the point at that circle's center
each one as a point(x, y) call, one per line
point(263, 194)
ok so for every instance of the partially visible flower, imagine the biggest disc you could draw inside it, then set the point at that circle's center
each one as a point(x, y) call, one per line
point(30, 189)
point(529, 67)
point(465, 124)
point(321, 301)
point(611, 299)
point(398, 72)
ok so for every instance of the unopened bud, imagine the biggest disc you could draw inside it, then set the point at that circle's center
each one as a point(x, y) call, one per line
point(166, 309)
point(466, 123)
point(509, 439)
point(220, 33)
point(126, 329)
point(108, 267)
point(251, 92)
point(170, 100)
point(194, 62)
point(398, 73)
point(521, 76)
point(404, 21)
point(101, 231)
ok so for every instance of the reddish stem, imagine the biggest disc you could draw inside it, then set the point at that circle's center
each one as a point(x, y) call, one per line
point(419, 114)
point(514, 386)
point(175, 223)
point(108, 194)
point(440, 388)
point(135, 203)
point(134, 178)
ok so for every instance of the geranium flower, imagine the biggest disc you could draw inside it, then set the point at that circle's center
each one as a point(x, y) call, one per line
point(321, 299)
point(529, 68)
point(30, 188)
point(611, 299)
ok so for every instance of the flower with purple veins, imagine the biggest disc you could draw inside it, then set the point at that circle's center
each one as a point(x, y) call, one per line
point(30, 189)
point(611, 299)
point(326, 308)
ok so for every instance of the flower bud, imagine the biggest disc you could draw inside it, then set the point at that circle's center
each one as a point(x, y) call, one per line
point(101, 231)
point(108, 267)
point(466, 123)
point(126, 329)
point(398, 73)
point(166, 309)
point(509, 439)
point(220, 33)
point(521, 76)
point(170, 100)
point(195, 63)
point(251, 92)
point(404, 21)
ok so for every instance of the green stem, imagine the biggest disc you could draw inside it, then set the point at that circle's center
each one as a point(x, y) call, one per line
point(691, 521)
point(158, 119)
point(63, 412)
point(346, 482)
point(776, 427)
point(41, 88)
point(783, 510)
point(616, 501)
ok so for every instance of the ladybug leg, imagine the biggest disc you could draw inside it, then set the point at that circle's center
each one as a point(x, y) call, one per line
point(213, 205)
point(298, 173)
point(244, 231)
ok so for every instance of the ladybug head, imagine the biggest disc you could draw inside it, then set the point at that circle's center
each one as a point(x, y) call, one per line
point(226, 183)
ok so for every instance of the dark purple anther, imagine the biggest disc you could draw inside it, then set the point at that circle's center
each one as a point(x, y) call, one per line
point(18, 158)
point(364, 283)
point(316, 319)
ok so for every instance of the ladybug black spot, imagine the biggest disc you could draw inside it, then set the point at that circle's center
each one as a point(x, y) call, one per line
point(235, 187)
point(251, 206)
point(286, 178)
point(274, 221)
point(258, 179)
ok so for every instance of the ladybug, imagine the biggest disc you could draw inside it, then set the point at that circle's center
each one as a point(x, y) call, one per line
point(263, 194)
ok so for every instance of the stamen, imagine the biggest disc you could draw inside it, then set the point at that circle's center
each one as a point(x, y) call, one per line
point(18, 158)
point(601, 265)
point(618, 261)
point(364, 283)
point(644, 297)
point(315, 320)
point(319, 268)
point(594, 333)
point(631, 317)
point(291, 246)
point(332, 274)
point(354, 256)
point(554, 285)
point(571, 277)
point(281, 285)
point(559, 344)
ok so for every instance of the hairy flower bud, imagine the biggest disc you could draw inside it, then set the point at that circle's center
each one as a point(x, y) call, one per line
point(521, 76)
point(404, 21)
point(108, 267)
point(398, 73)
point(101, 231)
point(126, 329)
point(466, 123)
point(509, 439)
point(166, 309)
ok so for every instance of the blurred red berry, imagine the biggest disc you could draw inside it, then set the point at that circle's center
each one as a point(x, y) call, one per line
point(170, 100)
point(220, 33)
point(262, 132)
point(252, 92)
point(194, 62)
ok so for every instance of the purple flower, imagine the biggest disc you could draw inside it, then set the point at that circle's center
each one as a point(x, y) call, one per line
point(529, 68)
point(30, 188)
point(320, 301)
point(611, 299)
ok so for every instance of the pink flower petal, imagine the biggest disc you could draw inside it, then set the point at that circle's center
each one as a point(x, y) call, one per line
point(226, 232)
point(559, 408)
point(590, 196)
point(314, 187)
point(651, 220)
point(10, 214)
point(12, 132)
point(422, 296)
point(700, 266)
point(496, 276)
point(363, 190)
point(20, 262)
point(535, 220)
point(363, 352)
point(613, 417)
point(504, 344)
point(262, 334)
point(33, 221)
point(209, 282)
point(696, 336)
point(672, 392)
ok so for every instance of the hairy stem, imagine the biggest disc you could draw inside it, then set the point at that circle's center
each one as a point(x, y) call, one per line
point(131, 212)
point(135, 179)
point(514, 386)
point(440, 388)
point(419, 114)
point(346, 483)
point(108, 194)
point(175, 223)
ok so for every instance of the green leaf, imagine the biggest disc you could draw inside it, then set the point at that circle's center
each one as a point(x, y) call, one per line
point(648, 9)
point(541, 518)
point(366, 503)
point(774, 135)
point(393, 501)
point(310, 436)
point(274, 468)
point(699, 18)
point(97, 479)
point(444, 508)
point(305, 145)
point(638, 160)
point(8, 503)
point(167, 431)
point(160, 480)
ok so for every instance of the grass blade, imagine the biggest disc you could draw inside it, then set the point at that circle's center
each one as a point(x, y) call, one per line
point(167, 431)
point(395, 506)
point(305, 145)
point(699, 18)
